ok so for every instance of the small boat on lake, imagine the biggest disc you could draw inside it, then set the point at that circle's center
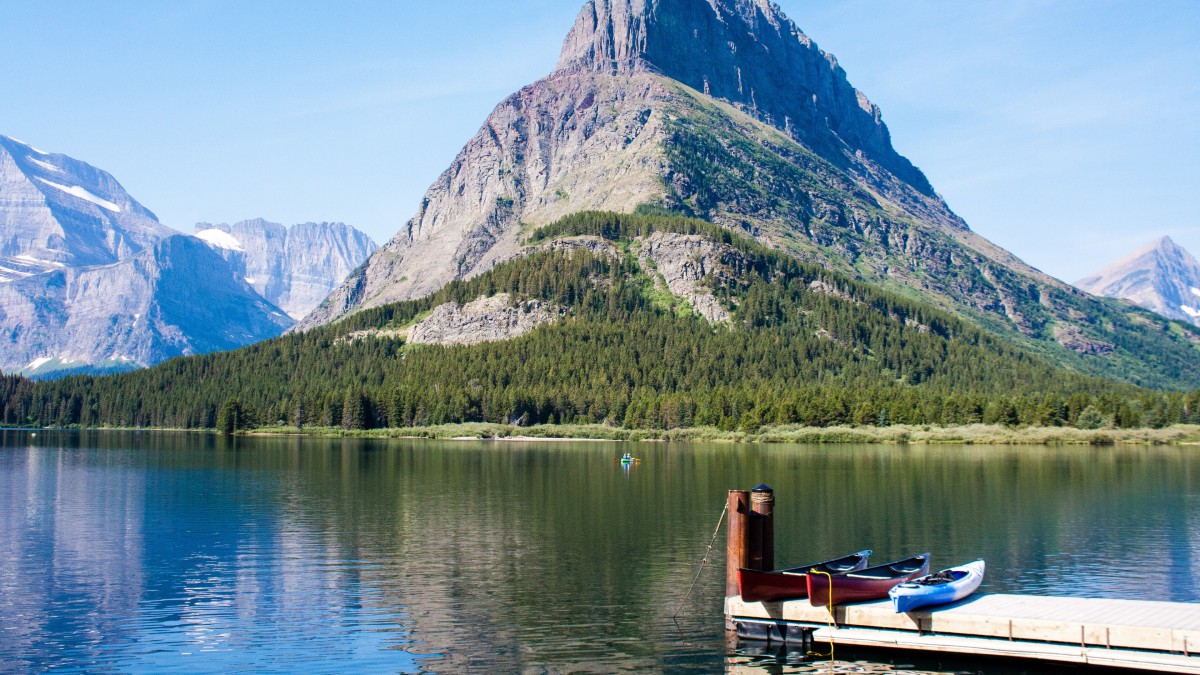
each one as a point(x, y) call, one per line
point(940, 588)
point(791, 583)
point(872, 583)
point(628, 459)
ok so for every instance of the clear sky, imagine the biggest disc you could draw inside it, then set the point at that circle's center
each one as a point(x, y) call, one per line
point(1064, 130)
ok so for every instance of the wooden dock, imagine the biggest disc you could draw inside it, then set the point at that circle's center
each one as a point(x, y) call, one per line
point(1132, 634)
point(1152, 636)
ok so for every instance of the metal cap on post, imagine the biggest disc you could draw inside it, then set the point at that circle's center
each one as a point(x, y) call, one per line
point(737, 549)
point(762, 504)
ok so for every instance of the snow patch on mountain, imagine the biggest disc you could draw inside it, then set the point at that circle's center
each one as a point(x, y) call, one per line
point(76, 191)
point(220, 239)
point(38, 261)
point(45, 165)
point(1196, 291)
point(1190, 311)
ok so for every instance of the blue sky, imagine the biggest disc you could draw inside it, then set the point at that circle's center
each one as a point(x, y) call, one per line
point(1063, 130)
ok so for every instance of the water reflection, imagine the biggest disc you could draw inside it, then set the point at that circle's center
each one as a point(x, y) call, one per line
point(118, 559)
point(159, 552)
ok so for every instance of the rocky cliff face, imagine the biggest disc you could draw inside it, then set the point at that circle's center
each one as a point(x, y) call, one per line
point(174, 298)
point(571, 142)
point(723, 110)
point(748, 53)
point(56, 211)
point(292, 268)
point(683, 263)
point(1162, 277)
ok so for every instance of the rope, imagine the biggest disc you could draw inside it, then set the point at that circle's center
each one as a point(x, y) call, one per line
point(702, 562)
point(831, 622)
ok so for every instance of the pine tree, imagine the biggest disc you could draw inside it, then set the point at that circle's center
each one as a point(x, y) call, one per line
point(354, 410)
point(229, 418)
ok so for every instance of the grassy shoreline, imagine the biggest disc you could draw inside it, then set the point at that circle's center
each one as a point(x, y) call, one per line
point(975, 434)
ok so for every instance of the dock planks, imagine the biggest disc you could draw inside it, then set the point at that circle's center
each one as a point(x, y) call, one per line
point(1158, 636)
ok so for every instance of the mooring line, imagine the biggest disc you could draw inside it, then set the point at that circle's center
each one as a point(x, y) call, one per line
point(832, 621)
point(702, 562)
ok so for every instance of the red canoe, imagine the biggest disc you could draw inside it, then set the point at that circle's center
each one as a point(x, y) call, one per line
point(872, 583)
point(758, 586)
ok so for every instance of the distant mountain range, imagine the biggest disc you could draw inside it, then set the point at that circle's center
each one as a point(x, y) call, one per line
point(1162, 277)
point(91, 281)
point(293, 267)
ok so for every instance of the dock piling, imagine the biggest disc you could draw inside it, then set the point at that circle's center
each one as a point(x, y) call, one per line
point(762, 528)
point(737, 548)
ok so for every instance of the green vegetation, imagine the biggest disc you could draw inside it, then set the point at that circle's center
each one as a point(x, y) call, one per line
point(734, 170)
point(805, 347)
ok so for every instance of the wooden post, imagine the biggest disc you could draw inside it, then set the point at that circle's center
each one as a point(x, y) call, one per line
point(737, 548)
point(762, 532)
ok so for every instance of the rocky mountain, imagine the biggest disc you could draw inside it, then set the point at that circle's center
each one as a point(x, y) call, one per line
point(56, 211)
point(91, 281)
point(295, 267)
point(726, 111)
point(174, 298)
point(1162, 277)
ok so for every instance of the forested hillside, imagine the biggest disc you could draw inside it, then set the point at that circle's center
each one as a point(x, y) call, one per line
point(800, 345)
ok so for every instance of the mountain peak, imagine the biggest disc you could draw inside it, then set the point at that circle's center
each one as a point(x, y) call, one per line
point(1161, 251)
point(1167, 244)
point(56, 210)
point(614, 36)
point(1162, 277)
point(748, 53)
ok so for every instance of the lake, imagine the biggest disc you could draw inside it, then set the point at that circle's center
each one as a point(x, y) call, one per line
point(160, 552)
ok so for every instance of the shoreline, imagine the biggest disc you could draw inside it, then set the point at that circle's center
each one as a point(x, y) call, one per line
point(976, 434)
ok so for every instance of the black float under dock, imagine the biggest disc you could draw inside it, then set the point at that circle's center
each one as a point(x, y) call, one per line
point(1134, 634)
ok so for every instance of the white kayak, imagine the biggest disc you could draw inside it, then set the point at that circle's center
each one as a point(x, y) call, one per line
point(939, 588)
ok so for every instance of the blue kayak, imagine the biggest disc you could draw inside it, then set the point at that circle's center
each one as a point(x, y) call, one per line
point(939, 588)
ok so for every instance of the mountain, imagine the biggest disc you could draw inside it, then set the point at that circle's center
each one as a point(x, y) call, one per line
point(90, 281)
point(724, 110)
point(174, 298)
point(295, 267)
point(56, 211)
point(1162, 277)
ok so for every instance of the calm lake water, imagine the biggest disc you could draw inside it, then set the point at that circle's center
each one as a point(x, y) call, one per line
point(171, 552)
